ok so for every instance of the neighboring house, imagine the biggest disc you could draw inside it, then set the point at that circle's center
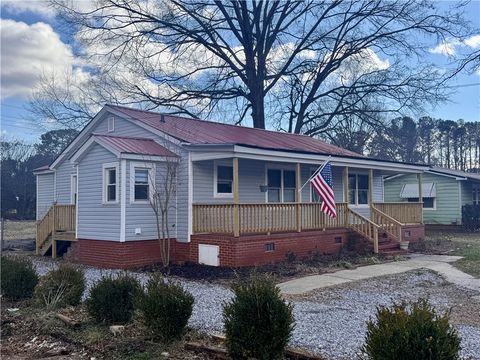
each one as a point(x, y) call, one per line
point(237, 200)
point(445, 191)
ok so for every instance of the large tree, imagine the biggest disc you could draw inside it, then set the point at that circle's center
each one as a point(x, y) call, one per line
point(305, 64)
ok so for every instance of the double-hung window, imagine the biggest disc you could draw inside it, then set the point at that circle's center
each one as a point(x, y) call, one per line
point(110, 183)
point(476, 195)
point(358, 189)
point(281, 185)
point(428, 202)
point(224, 180)
point(141, 187)
point(141, 180)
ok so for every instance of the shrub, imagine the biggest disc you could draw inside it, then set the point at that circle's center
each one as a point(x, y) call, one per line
point(471, 217)
point(18, 278)
point(258, 322)
point(413, 332)
point(61, 287)
point(166, 308)
point(112, 299)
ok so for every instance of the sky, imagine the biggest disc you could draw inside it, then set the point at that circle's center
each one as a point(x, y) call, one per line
point(33, 43)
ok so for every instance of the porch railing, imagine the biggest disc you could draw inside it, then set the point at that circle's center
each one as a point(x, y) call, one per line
point(264, 218)
point(59, 218)
point(404, 212)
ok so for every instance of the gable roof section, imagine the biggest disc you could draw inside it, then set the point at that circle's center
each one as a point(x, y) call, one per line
point(196, 131)
point(133, 145)
point(126, 147)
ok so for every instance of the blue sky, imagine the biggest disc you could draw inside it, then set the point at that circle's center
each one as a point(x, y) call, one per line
point(48, 46)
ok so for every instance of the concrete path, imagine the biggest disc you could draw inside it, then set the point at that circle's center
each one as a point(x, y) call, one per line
point(438, 263)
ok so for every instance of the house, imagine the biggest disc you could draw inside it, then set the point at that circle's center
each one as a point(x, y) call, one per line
point(444, 193)
point(237, 199)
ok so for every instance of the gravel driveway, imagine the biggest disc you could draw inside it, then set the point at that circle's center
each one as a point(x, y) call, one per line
point(331, 321)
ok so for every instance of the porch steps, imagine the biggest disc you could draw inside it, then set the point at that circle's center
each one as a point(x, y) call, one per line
point(45, 246)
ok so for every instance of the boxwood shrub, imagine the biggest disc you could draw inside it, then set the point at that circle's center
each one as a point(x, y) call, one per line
point(18, 278)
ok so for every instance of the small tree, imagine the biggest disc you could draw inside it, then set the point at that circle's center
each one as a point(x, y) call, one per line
point(162, 201)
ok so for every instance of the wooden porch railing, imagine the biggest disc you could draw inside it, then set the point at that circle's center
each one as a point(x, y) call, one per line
point(264, 218)
point(364, 226)
point(403, 212)
point(59, 218)
point(392, 226)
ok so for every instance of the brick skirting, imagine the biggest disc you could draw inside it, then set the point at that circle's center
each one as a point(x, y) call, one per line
point(247, 250)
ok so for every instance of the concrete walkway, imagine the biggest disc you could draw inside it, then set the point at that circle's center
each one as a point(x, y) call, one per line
point(438, 263)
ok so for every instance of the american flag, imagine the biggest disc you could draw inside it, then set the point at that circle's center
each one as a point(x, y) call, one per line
point(322, 183)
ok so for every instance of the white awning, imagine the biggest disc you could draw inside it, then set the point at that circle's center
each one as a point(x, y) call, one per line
point(411, 190)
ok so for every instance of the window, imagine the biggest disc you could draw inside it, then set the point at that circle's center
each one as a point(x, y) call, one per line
point(74, 191)
point(141, 189)
point(142, 176)
point(224, 181)
point(110, 183)
point(314, 197)
point(428, 202)
point(111, 124)
point(476, 196)
point(358, 189)
point(281, 185)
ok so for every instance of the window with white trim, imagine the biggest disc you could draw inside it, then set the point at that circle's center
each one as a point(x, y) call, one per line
point(74, 189)
point(111, 124)
point(110, 183)
point(141, 186)
point(358, 188)
point(281, 185)
point(223, 180)
point(428, 202)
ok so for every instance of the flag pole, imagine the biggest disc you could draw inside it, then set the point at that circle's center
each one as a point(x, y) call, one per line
point(320, 168)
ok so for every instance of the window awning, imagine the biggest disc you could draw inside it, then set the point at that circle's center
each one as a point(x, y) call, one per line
point(411, 190)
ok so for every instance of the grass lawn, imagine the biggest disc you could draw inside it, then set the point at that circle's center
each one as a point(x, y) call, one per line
point(457, 243)
point(19, 230)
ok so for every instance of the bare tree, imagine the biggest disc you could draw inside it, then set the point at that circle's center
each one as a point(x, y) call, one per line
point(309, 62)
point(163, 201)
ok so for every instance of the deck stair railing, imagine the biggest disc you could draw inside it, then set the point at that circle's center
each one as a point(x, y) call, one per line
point(390, 225)
point(59, 219)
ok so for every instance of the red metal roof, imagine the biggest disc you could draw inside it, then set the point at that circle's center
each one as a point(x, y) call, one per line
point(196, 131)
point(133, 145)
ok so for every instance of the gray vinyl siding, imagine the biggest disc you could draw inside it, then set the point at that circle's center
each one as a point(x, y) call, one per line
point(45, 193)
point(141, 215)
point(447, 199)
point(63, 182)
point(95, 220)
point(123, 128)
point(467, 189)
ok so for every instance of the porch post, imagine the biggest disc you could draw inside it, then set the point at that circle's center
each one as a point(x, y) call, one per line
point(236, 217)
point(370, 187)
point(345, 193)
point(298, 198)
point(420, 195)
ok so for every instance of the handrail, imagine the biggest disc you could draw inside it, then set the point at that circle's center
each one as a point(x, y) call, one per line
point(387, 223)
point(365, 227)
point(57, 218)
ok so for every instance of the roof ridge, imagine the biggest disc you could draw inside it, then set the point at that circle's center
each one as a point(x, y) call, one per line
point(221, 123)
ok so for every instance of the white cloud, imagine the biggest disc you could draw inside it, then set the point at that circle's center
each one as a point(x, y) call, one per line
point(40, 7)
point(29, 51)
point(447, 48)
point(473, 41)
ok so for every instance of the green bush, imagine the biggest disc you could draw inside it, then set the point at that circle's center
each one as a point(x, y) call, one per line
point(166, 308)
point(411, 332)
point(112, 299)
point(61, 287)
point(258, 322)
point(18, 278)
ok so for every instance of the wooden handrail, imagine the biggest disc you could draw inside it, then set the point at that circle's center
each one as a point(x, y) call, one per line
point(365, 227)
point(392, 226)
point(59, 218)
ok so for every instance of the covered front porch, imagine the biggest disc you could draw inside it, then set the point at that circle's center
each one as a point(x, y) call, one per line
point(240, 204)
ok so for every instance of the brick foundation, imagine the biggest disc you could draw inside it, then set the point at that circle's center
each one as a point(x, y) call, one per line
point(248, 250)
